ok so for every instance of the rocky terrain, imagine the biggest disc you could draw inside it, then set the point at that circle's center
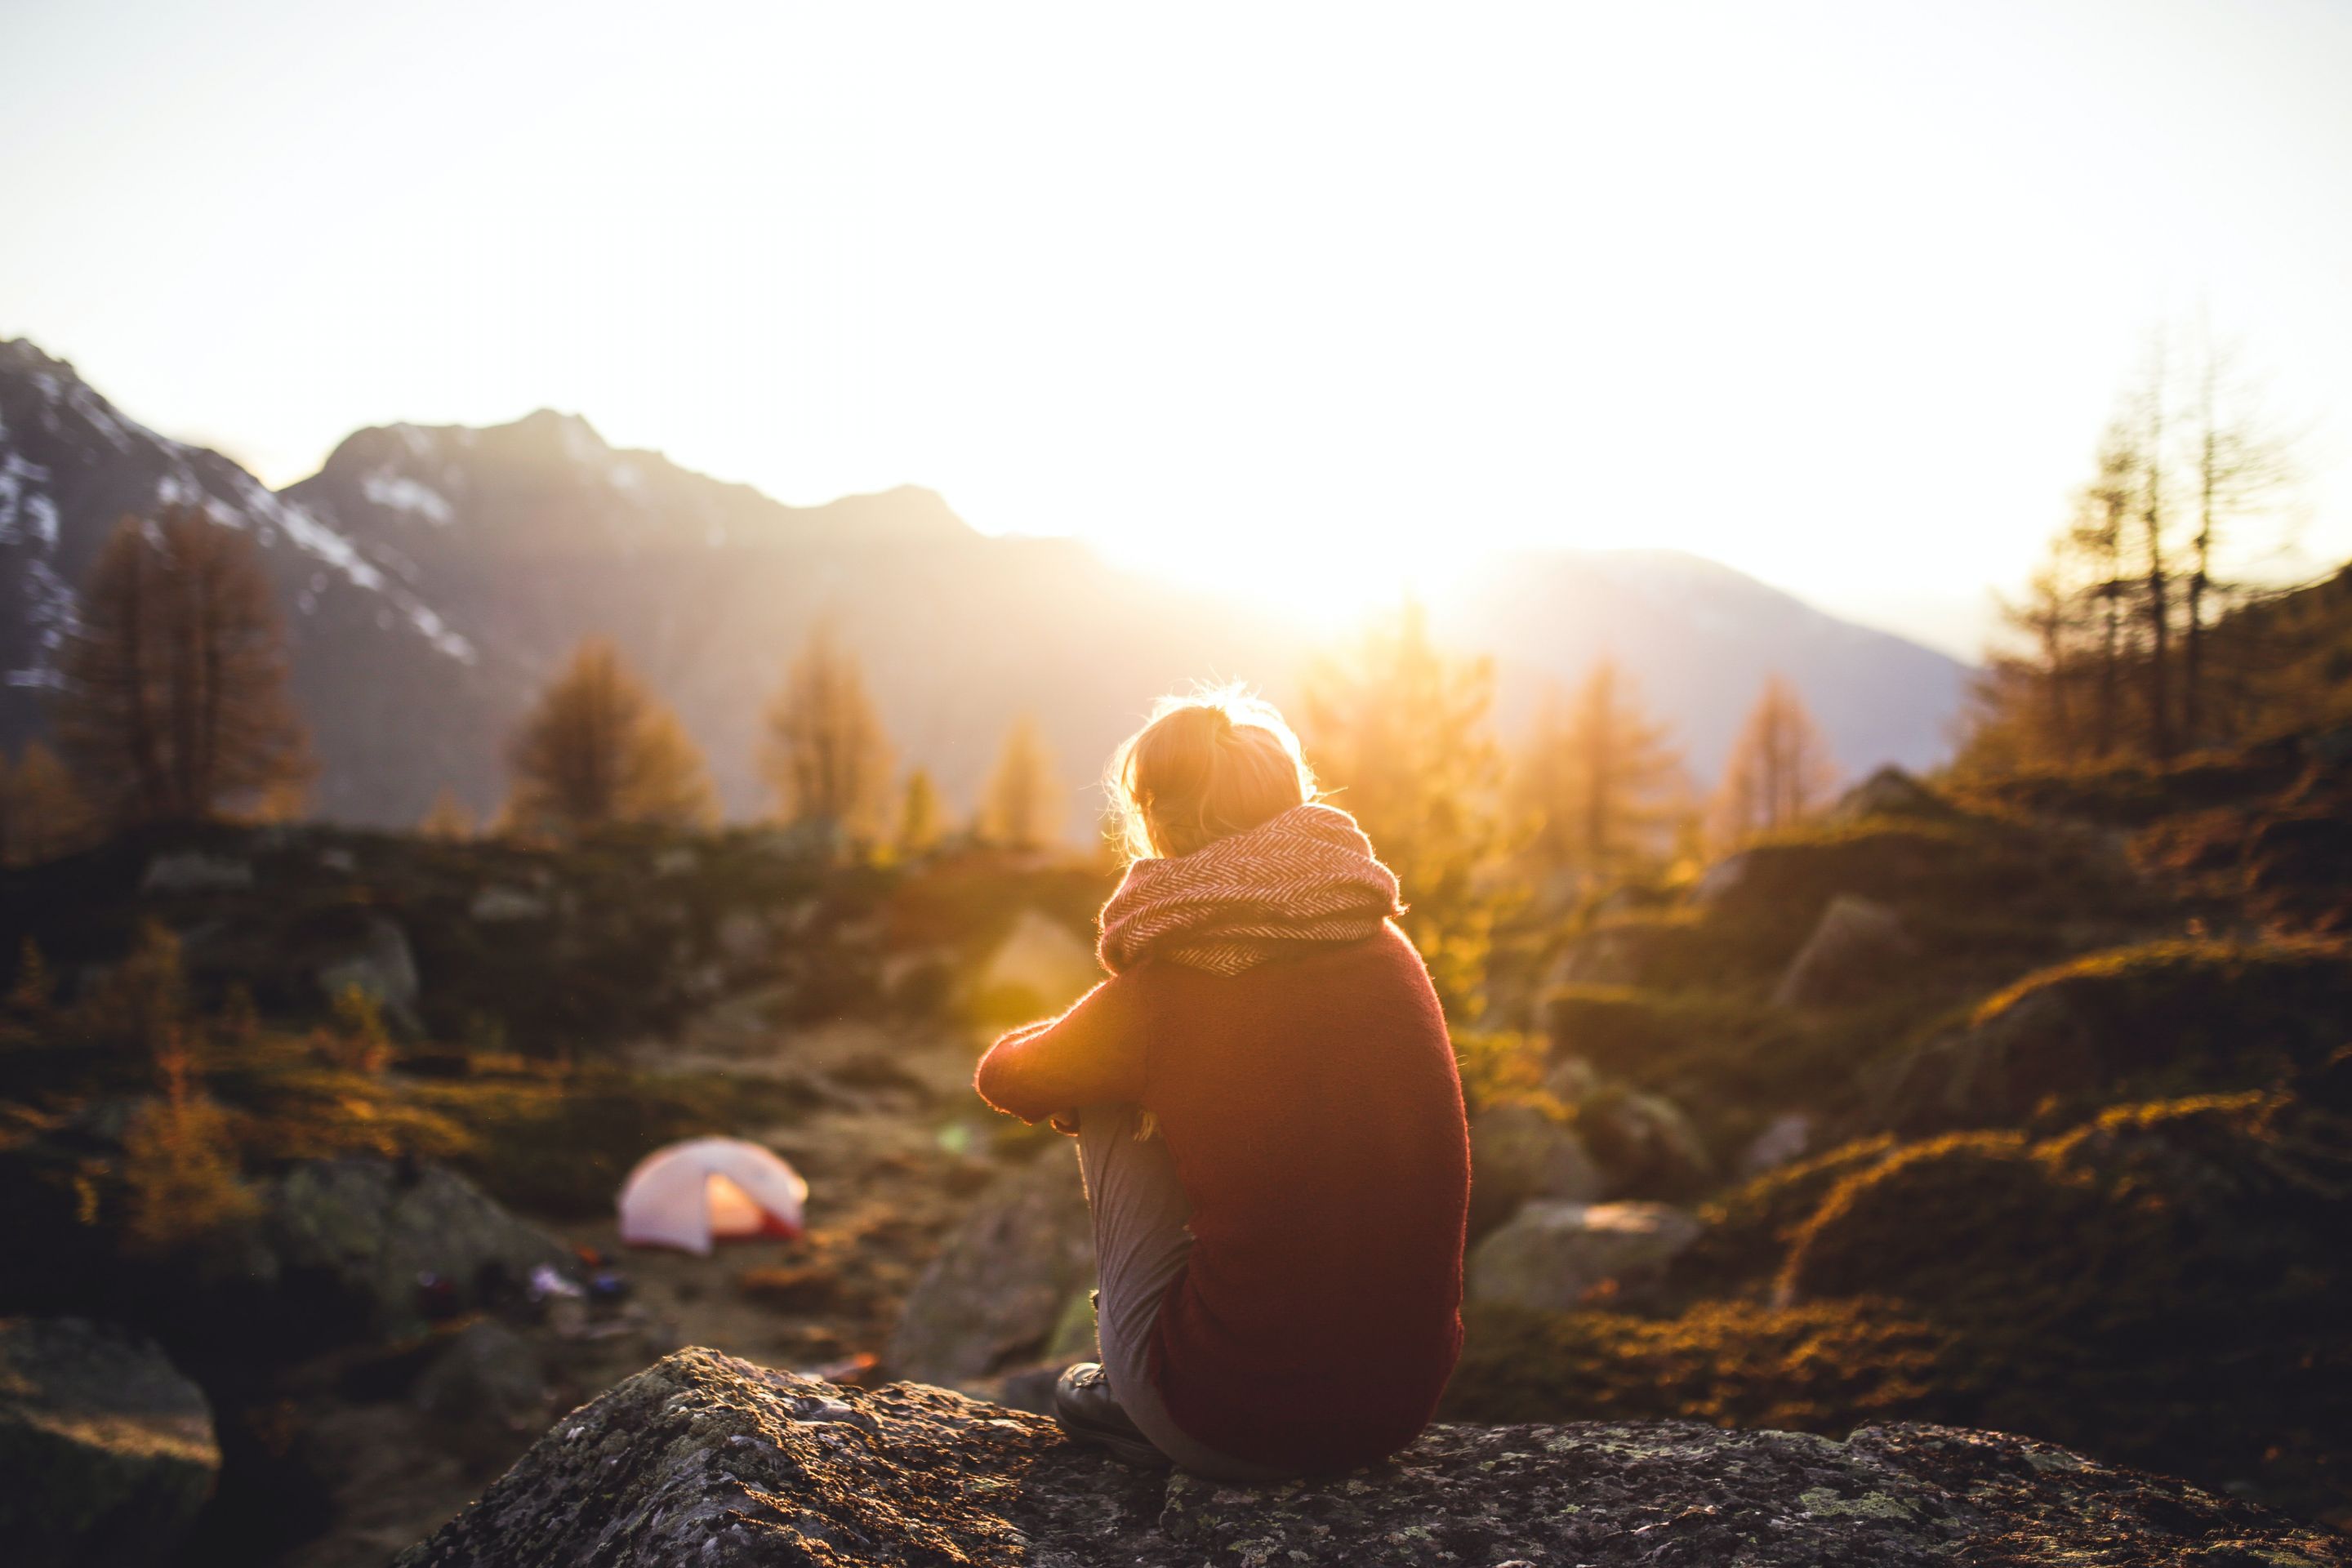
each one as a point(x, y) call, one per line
point(2023, 1109)
point(704, 1459)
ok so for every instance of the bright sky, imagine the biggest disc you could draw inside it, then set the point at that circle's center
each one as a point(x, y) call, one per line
point(1838, 293)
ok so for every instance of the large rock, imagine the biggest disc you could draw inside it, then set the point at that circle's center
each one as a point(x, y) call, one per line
point(993, 1297)
point(2162, 1018)
point(194, 872)
point(106, 1452)
point(1615, 954)
point(1518, 1153)
point(1854, 945)
point(1891, 792)
point(706, 1461)
point(1041, 967)
point(1552, 1255)
point(1783, 1140)
point(488, 1375)
point(395, 1242)
point(377, 962)
point(1644, 1144)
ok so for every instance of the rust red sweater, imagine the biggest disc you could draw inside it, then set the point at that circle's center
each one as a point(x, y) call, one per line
point(1314, 1112)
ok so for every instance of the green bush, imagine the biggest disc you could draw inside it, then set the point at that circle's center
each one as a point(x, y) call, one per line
point(2163, 1286)
point(2269, 1005)
point(1751, 1229)
point(2150, 1022)
point(1826, 1367)
point(1946, 1223)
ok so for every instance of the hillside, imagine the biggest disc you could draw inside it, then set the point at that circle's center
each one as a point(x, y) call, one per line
point(433, 577)
point(376, 672)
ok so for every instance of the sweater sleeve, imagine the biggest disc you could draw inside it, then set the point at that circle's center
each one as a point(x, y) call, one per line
point(1091, 1055)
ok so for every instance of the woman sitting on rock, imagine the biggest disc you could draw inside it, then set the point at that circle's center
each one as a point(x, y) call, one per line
point(1269, 1117)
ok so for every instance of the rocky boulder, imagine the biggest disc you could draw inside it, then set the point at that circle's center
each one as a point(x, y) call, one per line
point(376, 961)
point(994, 1296)
point(393, 1244)
point(1892, 792)
point(712, 1461)
point(1854, 946)
point(1551, 1256)
point(1518, 1153)
point(194, 872)
point(1782, 1142)
point(2168, 1016)
point(106, 1452)
point(1644, 1144)
point(488, 1374)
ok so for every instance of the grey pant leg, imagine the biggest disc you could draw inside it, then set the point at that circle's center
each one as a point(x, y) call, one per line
point(1141, 1244)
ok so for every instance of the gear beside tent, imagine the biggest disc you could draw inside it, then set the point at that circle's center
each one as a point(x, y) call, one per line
point(691, 1194)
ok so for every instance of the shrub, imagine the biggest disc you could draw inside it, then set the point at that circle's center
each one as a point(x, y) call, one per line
point(179, 1162)
point(1943, 1222)
point(1825, 1367)
point(1751, 1229)
point(1501, 1067)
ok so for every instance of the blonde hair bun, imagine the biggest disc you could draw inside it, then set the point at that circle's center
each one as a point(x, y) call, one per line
point(1218, 761)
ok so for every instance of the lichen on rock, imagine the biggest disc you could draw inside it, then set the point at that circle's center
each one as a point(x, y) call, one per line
point(705, 1460)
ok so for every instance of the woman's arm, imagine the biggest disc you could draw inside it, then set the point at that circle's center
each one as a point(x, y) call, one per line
point(1090, 1055)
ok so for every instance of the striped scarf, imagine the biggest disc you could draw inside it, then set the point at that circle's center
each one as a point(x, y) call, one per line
point(1307, 875)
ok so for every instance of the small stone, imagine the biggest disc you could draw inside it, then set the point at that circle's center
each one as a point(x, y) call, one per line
point(194, 872)
point(1552, 1255)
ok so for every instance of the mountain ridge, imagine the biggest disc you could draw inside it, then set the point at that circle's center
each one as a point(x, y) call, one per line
point(433, 577)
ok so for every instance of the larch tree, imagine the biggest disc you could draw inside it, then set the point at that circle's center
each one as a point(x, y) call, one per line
point(451, 819)
point(2129, 644)
point(822, 749)
point(1021, 805)
point(1596, 779)
point(1399, 733)
point(1779, 771)
point(42, 812)
point(920, 822)
point(2241, 465)
point(599, 750)
point(2152, 517)
point(174, 704)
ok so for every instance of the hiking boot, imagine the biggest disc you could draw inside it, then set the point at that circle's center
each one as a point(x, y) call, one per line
point(1083, 1404)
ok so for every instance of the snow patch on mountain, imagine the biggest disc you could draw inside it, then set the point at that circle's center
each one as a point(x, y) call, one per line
point(16, 473)
point(49, 611)
point(401, 493)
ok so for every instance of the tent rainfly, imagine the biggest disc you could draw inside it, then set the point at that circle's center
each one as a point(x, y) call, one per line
point(689, 1195)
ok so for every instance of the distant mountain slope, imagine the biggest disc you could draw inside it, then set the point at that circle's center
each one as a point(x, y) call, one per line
point(433, 577)
point(1701, 638)
point(530, 536)
point(370, 657)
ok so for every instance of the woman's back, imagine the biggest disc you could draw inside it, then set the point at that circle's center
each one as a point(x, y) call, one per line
point(1281, 1264)
point(1314, 1112)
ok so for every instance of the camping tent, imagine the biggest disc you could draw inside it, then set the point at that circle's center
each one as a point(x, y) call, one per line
point(689, 1195)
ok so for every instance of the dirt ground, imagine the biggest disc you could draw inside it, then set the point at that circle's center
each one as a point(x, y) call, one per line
point(894, 1151)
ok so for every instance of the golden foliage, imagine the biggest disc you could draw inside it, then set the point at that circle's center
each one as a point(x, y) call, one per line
point(599, 750)
point(920, 820)
point(1021, 806)
point(179, 1160)
point(1779, 771)
point(358, 1041)
point(450, 821)
point(1398, 732)
point(42, 812)
point(175, 704)
point(823, 750)
point(1596, 779)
